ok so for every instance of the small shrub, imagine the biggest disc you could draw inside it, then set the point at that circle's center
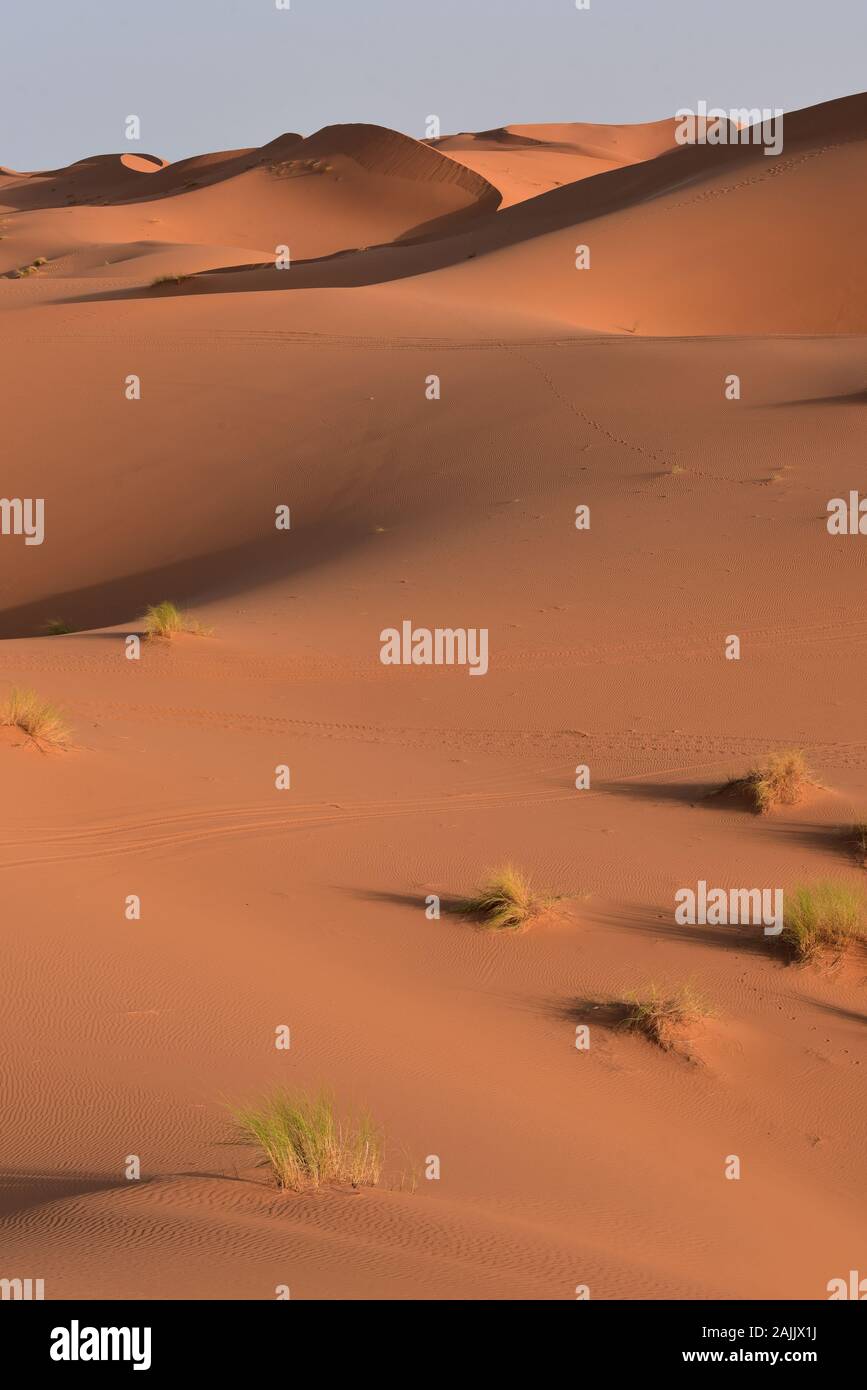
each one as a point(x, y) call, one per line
point(164, 620)
point(781, 781)
point(305, 1144)
point(168, 280)
point(56, 627)
point(41, 721)
point(822, 917)
point(661, 1018)
point(504, 903)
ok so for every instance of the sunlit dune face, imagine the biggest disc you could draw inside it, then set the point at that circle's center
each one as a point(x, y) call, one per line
point(142, 164)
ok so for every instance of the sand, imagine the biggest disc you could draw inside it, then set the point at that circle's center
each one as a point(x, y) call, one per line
point(308, 387)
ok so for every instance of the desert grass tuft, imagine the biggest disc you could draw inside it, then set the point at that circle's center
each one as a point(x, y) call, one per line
point(504, 902)
point(296, 168)
point(165, 620)
point(306, 1145)
point(56, 627)
point(660, 1017)
point(782, 780)
point(823, 917)
point(40, 720)
point(168, 280)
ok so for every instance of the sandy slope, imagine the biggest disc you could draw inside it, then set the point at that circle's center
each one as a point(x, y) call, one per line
point(525, 160)
point(306, 907)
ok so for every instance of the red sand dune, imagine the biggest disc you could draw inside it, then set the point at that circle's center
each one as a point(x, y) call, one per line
point(309, 387)
point(525, 160)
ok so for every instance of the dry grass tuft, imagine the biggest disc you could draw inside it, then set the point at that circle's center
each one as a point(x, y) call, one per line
point(165, 620)
point(782, 780)
point(505, 902)
point(306, 1145)
point(662, 1018)
point(41, 721)
point(824, 917)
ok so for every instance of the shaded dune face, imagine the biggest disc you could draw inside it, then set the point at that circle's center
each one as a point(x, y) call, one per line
point(433, 389)
point(343, 188)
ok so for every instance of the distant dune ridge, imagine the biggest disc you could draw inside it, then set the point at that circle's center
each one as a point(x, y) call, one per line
point(235, 834)
point(516, 201)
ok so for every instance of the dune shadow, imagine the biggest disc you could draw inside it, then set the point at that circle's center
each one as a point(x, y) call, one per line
point(134, 630)
point(837, 1011)
point(23, 1189)
point(607, 1013)
point(706, 794)
point(830, 839)
point(659, 922)
point(218, 573)
point(452, 905)
point(849, 398)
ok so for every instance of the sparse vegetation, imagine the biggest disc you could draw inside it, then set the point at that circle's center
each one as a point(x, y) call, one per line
point(168, 280)
point(56, 627)
point(822, 917)
point(41, 721)
point(164, 620)
point(31, 269)
point(306, 1145)
point(661, 1018)
point(782, 780)
point(504, 903)
point(295, 168)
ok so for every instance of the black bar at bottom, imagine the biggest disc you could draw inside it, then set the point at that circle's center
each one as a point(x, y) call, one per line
point(252, 1338)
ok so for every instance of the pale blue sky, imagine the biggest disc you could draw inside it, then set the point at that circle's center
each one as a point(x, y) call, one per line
point(216, 74)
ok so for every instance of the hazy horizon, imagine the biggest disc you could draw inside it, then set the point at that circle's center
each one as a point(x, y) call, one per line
point(220, 75)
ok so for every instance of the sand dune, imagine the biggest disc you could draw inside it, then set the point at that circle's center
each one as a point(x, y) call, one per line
point(310, 388)
point(525, 160)
point(679, 243)
point(345, 187)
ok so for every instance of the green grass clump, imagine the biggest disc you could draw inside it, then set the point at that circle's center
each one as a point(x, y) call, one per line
point(306, 1145)
point(505, 902)
point(166, 620)
point(56, 627)
point(163, 620)
point(821, 917)
point(781, 781)
point(660, 1017)
point(41, 721)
